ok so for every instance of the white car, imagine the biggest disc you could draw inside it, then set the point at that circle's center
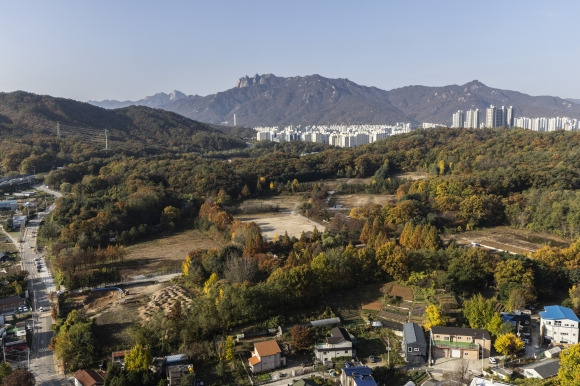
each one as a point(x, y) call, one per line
point(493, 360)
point(40, 309)
point(24, 309)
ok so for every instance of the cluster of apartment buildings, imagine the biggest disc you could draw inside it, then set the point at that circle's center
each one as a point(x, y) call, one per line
point(504, 117)
point(335, 135)
point(494, 117)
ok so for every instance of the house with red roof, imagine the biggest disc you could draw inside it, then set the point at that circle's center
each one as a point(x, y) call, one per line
point(266, 356)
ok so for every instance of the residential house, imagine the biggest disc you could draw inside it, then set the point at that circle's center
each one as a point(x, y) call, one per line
point(266, 356)
point(559, 324)
point(544, 369)
point(519, 321)
point(476, 381)
point(338, 344)
point(176, 366)
point(89, 378)
point(11, 303)
point(357, 376)
point(414, 343)
point(118, 357)
point(18, 221)
point(457, 342)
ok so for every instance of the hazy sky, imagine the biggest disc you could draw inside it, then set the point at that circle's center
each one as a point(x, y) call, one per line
point(128, 49)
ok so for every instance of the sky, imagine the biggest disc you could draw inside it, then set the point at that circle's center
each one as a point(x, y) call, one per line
point(129, 49)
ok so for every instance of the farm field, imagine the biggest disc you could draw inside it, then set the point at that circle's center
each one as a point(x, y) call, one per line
point(509, 239)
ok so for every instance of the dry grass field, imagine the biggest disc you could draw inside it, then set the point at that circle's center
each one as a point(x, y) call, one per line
point(164, 254)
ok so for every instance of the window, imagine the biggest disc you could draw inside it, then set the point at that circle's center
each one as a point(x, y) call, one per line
point(410, 349)
point(416, 348)
point(346, 352)
point(466, 353)
point(563, 333)
point(557, 323)
point(446, 338)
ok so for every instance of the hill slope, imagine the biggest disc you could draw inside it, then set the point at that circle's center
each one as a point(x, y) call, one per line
point(24, 113)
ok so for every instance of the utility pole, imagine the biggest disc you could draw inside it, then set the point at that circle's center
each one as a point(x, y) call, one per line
point(388, 351)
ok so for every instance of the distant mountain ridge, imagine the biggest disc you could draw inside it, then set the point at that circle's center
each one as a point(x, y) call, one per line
point(268, 100)
point(154, 101)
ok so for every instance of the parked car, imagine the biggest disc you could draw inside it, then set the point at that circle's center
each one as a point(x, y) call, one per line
point(493, 360)
point(24, 309)
point(40, 309)
point(20, 309)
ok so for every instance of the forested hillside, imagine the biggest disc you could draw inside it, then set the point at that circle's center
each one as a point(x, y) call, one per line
point(475, 179)
point(52, 132)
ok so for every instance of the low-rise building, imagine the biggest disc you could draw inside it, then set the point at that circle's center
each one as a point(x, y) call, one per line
point(457, 342)
point(11, 303)
point(18, 221)
point(357, 376)
point(338, 344)
point(559, 324)
point(414, 343)
point(542, 369)
point(266, 356)
point(89, 378)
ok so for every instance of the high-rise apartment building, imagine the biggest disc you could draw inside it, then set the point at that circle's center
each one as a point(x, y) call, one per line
point(503, 116)
point(472, 119)
point(458, 119)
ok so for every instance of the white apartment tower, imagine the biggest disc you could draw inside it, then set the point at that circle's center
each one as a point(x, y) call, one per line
point(472, 119)
point(458, 119)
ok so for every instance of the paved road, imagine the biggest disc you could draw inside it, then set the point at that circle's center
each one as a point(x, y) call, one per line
point(40, 285)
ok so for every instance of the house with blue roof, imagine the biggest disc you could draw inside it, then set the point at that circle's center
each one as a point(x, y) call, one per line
point(559, 325)
point(357, 376)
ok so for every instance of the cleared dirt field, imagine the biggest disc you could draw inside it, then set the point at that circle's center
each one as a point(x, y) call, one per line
point(508, 239)
point(272, 224)
point(165, 254)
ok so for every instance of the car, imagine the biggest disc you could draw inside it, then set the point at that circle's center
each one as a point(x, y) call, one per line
point(493, 360)
point(332, 373)
point(24, 309)
point(20, 309)
point(40, 309)
point(372, 359)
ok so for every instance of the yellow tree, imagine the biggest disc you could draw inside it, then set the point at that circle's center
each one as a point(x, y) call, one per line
point(229, 348)
point(569, 372)
point(433, 317)
point(138, 358)
point(209, 283)
point(508, 344)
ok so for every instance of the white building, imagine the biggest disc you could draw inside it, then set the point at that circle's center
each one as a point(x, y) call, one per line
point(559, 324)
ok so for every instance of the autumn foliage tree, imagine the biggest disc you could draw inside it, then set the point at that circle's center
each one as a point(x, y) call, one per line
point(569, 371)
point(138, 358)
point(301, 337)
point(508, 344)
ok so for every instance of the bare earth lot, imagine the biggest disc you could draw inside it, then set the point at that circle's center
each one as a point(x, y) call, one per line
point(508, 239)
point(276, 224)
point(164, 254)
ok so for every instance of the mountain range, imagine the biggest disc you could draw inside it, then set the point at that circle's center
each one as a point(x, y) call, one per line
point(269, 100)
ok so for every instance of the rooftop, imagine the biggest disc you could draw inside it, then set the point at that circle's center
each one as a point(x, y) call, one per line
point(269, 347)
point(413, 333)
point(558, 312)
